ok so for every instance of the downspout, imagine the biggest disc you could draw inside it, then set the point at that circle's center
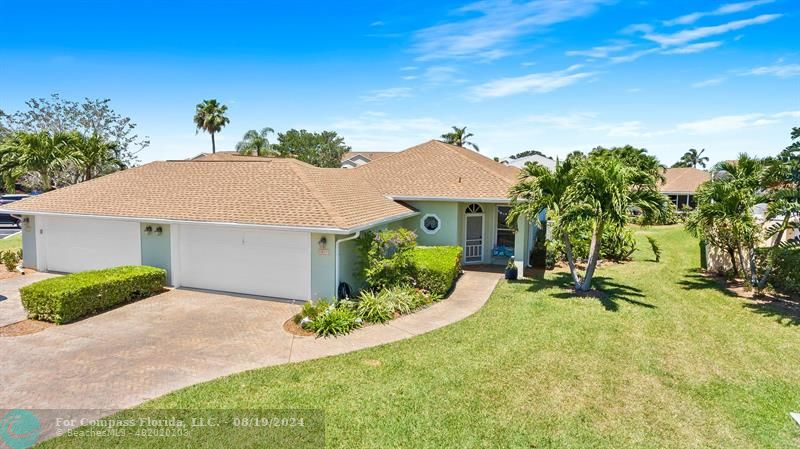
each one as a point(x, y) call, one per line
point(336, 261)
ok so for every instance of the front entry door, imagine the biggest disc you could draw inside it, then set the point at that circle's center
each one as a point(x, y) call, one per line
point(473, 244)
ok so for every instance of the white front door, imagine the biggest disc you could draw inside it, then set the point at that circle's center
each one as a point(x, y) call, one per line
point(473, 242)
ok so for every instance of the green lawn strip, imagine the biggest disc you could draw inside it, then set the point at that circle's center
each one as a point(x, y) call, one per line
point(665, 359)
point(14, 242)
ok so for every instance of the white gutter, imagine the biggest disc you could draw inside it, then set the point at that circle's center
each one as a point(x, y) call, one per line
point(322, 230)
point(336, 262)
point(462, 200)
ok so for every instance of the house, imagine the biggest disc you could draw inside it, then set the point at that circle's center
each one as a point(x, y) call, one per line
point(681, 183)
point(270, 226)
point(353, 159)
point(520, 162)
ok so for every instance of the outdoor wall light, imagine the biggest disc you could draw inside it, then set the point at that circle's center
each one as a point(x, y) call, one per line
point(159, 231)
point(323, 244)
point(148, 230)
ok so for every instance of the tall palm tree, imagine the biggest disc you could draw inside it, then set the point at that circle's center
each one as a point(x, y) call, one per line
point(256, 142)
point(538, 189)
point(210, 117)
point(94, 155)
point(42, 153)
point(459, 137)
point(692, 158)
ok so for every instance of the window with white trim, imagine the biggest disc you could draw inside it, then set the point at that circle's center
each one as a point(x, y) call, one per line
point(504, 243)
point(430, 223)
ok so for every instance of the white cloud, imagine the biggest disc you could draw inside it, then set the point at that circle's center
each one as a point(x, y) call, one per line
point(382, 132)
point(693, 48)
point(729, 8)
point(410, 77)
point(409, 68)
point(684, 37)
point(386, 94)
point(709, 82)
point(569, 121)
point(497, 24)
point(439, 74)
point(633, 56)
point(728, 123)
point(534, 83)
point(602, 51)
point(779, 70)
point(377, 23)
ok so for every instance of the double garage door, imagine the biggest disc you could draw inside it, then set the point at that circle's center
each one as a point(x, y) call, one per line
point(249, 261)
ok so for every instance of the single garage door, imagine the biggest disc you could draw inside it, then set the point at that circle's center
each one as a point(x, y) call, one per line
point(255, 262)
point(79, 244)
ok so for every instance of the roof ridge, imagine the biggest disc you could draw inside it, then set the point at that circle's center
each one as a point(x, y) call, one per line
point(299, 170)
point(395, 153)
point(459, 151)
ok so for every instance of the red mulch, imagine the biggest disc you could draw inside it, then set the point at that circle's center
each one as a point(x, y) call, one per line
point(24, 328)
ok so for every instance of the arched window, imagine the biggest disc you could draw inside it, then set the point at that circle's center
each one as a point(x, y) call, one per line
point(474, 209)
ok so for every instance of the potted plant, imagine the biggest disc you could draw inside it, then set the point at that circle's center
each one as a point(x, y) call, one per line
point(511, 269)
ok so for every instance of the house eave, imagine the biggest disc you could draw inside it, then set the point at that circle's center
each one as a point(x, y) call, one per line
point(450, 199)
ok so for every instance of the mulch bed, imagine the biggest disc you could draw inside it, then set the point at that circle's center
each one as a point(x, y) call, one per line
point(24, 328)
point(293, 328)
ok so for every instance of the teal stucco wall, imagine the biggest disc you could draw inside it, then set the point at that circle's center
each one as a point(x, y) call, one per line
point(156, 248)
point(29, 242)
point(323, 266)
point(449, 216)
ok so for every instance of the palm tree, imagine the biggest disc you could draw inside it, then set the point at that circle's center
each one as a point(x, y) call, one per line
point(94, 155)
point(42, 153)
point(210, 117)
point(459, 138)
point(781, 184)
point(723, 216)
point(256, 142)
point(539, 189)
point(692, 158)
point(603, 192)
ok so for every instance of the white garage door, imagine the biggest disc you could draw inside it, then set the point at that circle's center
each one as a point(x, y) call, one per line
point(256, 262)
point(78, 244)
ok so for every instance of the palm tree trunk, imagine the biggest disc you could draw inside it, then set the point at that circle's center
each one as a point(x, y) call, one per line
point(594, 257)
point(45, 181)
point(732, 255)
point(768, 270)
point(213, 144)
point(571, 260)
point(741, 262)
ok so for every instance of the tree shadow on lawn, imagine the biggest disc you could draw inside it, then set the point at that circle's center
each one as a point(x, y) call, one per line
point(607, 291)
point(785, 311)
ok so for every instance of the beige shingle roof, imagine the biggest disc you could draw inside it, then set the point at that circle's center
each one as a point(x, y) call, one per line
point(228, 188)
point(268, 191)
point(684, 180)
point(438, 170)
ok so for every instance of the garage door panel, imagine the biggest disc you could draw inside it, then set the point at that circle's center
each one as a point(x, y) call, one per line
point(258, 262)
point(77, 244)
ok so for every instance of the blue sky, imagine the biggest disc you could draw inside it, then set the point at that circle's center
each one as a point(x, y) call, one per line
point(553, 75)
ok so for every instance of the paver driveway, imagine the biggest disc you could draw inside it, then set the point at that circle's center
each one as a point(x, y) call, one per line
point(145, 349)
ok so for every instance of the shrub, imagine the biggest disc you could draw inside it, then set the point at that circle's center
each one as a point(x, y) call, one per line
point(437, 267)
point(335, 321)
point(386, 257)
point(311, 310)
point(374, 307)
point(785, 276)
point(67, 298)
point(655, 247)
point(10, 258)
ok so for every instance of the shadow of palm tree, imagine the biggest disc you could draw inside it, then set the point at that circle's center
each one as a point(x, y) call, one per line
point(607, 291)
point(783, 312)
point(697, 280)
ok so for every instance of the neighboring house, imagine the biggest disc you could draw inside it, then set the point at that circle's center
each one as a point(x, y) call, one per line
point(353, 159)
point(520, 162)
point(681, 185)
point(270, 226)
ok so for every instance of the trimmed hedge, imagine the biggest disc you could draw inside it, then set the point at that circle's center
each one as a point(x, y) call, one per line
point(67, 298)
point(437, 267)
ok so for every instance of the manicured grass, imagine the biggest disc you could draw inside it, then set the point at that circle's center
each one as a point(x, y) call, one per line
point(14, 242)
point(666, 359)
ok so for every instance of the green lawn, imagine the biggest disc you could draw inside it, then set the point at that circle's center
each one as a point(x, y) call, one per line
point(14, 242)
point(667, 359)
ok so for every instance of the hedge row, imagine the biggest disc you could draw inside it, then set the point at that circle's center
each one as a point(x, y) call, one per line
point(786, 275)
point(436, 267)
point(67, 298)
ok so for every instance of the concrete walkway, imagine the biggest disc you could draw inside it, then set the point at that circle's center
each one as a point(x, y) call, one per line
point(128, 355)
point(11, 310)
